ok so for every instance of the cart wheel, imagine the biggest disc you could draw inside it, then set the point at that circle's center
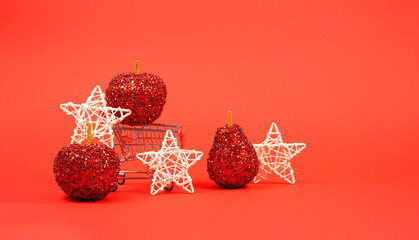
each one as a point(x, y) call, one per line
point(169, 188)
point(119, 180)
point(115, 187)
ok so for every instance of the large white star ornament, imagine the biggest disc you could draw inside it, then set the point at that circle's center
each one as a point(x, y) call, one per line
point(170, 165)
point(95, 112)
point(275, 156)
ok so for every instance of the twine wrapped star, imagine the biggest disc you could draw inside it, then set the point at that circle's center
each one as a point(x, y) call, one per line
point(275, 156)
point(171, 165)
point(95, 113)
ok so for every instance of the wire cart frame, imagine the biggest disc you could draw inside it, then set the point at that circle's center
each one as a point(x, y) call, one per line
point(132, 140)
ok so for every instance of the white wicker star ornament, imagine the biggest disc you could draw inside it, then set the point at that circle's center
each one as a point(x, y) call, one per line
point(171, 165)
point(95, 112)
point(275, 156)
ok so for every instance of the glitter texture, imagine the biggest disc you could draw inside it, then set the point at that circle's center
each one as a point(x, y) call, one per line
point(86, 172)
point(232, 161)
point(144, 94)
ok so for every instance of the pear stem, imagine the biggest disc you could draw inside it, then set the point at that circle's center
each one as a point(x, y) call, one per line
point(230, 118)
point(89, 134)
point(137, 67)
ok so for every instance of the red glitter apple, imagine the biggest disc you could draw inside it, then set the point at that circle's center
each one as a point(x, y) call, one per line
point(143, 93)
point(86, 172)
point(232, 161)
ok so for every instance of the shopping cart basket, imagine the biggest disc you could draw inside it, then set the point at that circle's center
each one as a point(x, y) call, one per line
point(132, 140)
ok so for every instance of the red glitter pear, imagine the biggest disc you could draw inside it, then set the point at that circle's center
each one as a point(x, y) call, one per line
point(144, 94)
point(232, 161)
point(86, 172)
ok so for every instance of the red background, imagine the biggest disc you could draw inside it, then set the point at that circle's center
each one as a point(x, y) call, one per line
point(341, 76)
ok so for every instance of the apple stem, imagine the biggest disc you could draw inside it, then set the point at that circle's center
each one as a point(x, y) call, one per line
point(137, 67)
point(89, 134)
point(230, 118)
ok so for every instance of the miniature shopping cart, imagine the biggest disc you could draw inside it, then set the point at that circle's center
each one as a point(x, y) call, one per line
point(132, 140)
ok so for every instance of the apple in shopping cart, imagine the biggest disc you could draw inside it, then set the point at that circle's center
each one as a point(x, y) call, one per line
point(86, 172)
point(143, 93)
point(232, 161)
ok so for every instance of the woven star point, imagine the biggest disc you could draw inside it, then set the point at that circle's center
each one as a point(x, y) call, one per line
point(95, 112)
point(275, 156)
point(170, 165)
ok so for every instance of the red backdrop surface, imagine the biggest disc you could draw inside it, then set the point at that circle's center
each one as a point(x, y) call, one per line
point(341, 76)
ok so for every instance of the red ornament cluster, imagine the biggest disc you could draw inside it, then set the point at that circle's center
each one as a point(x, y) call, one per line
point(86, 172)
point(144, 94)
point(232, 161)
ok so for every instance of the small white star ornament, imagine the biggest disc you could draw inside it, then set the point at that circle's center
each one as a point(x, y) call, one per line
point(275, 156)
point(95, 112)
point(171, 165)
